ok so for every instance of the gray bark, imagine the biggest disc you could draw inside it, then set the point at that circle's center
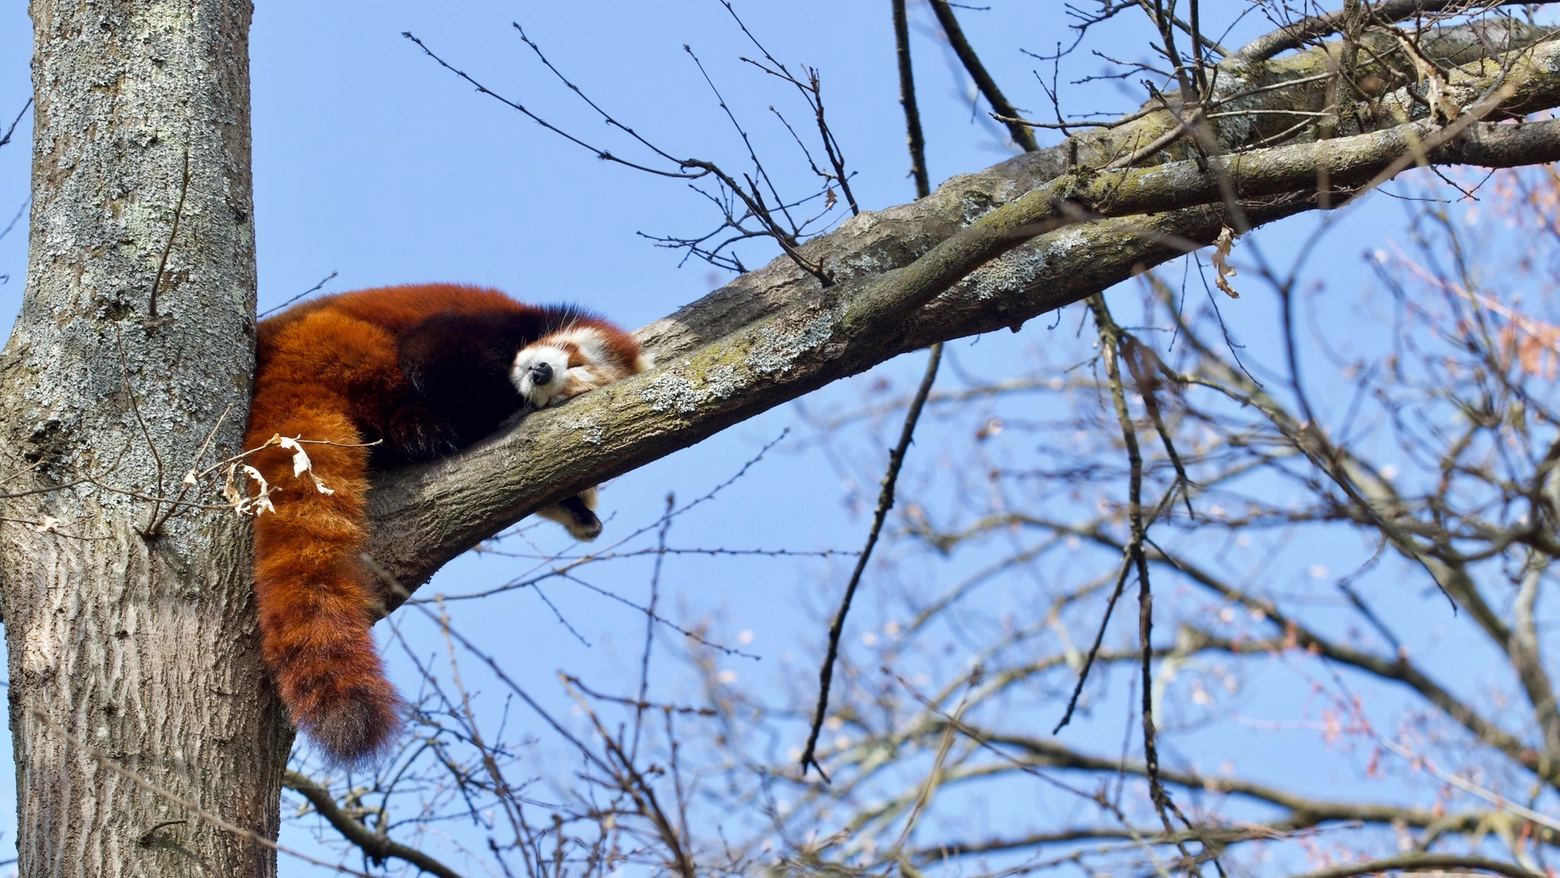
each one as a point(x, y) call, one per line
point(147, 741)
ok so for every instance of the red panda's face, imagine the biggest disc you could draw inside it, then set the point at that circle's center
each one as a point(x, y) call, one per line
point(566, 364)
point(540, 373)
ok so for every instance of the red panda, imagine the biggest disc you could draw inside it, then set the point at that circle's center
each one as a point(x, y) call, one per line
point(386, 377)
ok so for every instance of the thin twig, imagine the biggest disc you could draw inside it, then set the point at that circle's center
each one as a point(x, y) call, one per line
point(323, 281)
point(1110, 348)
point(191, 478)
point(650, 620)
point(914, 138)
point(146, 432)
point(896, 459)
point(14, 122)
point(604, 155)
point(1440, 863)
point(162, 264)
point(1005, 112)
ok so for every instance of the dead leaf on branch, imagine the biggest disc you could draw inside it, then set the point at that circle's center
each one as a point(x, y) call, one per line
point(1221, 261)
point(301, 462)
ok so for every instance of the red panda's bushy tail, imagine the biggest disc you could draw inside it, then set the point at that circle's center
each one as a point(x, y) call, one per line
point(314, 597)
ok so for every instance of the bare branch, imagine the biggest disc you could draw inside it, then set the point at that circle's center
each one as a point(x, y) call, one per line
point(375, 845)
point(988, 87)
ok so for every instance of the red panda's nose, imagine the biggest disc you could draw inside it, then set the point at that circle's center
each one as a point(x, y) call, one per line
point(542, 373)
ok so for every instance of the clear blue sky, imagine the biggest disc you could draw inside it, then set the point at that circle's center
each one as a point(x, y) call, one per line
point(374, 163)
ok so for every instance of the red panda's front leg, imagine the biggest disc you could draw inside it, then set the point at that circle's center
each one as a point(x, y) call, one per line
point(577, 514)
point(585, 356)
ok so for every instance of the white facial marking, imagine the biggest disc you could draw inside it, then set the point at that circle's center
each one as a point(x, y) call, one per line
point(591, 345)
point(523, 374)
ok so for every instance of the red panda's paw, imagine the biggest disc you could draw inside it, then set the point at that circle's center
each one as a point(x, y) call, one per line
point(577, 514)
point(572, 361)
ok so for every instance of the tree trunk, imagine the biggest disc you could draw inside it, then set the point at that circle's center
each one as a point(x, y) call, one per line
point(147, 740)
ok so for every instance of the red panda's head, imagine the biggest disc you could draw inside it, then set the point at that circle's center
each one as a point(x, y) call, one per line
point(574, 360)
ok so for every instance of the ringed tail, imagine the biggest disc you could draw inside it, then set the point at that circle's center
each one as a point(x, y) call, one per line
point(314, 597)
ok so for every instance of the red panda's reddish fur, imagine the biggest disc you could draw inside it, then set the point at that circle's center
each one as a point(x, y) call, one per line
point(335, 370)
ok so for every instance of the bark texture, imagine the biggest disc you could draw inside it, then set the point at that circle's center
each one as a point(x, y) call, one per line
point(147, 741)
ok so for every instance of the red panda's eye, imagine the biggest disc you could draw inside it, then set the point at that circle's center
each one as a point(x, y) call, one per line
point(575, 357)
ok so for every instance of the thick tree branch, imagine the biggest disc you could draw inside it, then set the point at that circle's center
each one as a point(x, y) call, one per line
point(910, 276)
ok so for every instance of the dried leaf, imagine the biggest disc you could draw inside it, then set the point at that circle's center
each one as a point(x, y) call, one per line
point(241, 502)
point(301, 462)
point(1143, 364)
point(229, 490)
point(1221, 261)
point(1436, 96)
